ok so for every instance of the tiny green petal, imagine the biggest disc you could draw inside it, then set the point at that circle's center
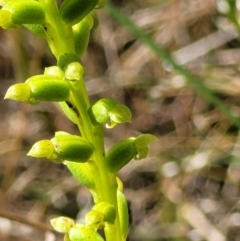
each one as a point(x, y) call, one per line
point(62, 224)
point(54, 71)
point(145, 139)
point(141, 143)
point(120, 113)
point(43, 148)
point(108, 210)
point(74, 71)
point(94, 219)
point(62, 133)
point(6, 19)
point(19, 92)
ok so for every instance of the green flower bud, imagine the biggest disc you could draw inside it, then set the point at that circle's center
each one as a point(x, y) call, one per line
point(19, 92)
point(72, 148)
point(48, 88)
point(81, 34)
point(109, 111)
point(94, 219)
point(26, 12)
point(73, 11)
point(82, 173)
point(108, 210)
point(64, 146)
point(62, 224)
point(80, 232)
point(123, 213)
point(120, 154)
point(74, 71)
point(43, 148)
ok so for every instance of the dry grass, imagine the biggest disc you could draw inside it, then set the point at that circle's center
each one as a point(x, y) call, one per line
point(188, 187)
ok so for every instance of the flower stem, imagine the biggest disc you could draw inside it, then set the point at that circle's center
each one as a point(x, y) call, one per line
point(61, 42)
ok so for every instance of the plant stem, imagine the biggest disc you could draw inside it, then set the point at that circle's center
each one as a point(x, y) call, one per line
point(106, 184)
point(60, 35)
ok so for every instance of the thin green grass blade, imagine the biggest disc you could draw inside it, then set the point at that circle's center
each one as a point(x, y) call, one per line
point(166, 56)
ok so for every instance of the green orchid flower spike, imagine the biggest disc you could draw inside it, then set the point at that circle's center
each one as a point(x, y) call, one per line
point(66, 29)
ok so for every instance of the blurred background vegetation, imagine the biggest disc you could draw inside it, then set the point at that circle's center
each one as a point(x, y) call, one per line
point(188, 187)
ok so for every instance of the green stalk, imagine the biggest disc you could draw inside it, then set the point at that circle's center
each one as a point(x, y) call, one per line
point(106, 184)
point(60, 36)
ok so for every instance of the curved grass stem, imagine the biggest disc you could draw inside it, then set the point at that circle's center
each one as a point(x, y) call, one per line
point(167, 57)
